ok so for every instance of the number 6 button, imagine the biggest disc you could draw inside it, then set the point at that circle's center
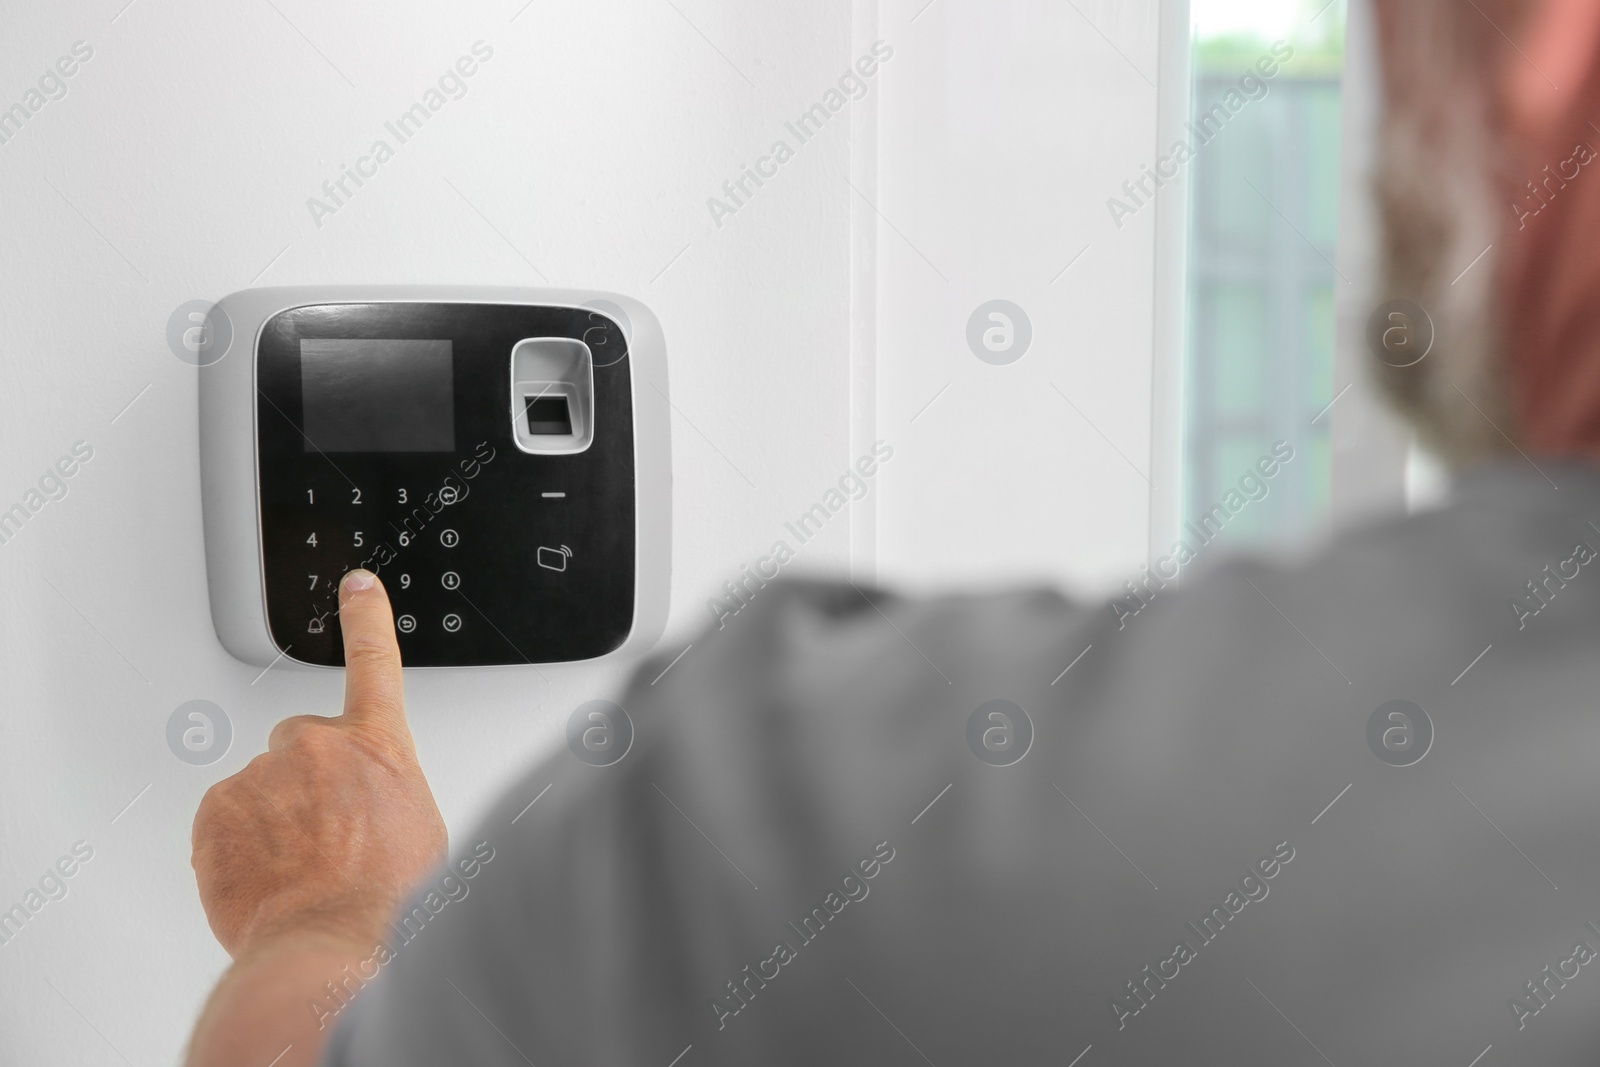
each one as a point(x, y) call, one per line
point(450, 579)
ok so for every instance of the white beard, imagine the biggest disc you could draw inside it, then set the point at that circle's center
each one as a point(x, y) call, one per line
point(1436, 201)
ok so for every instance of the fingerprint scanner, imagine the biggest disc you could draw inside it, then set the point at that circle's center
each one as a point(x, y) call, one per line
point(549, 415)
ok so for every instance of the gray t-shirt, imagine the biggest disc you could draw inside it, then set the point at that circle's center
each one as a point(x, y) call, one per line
point(1215, 841)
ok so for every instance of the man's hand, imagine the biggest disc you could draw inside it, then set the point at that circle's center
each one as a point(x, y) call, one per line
point(302, 857)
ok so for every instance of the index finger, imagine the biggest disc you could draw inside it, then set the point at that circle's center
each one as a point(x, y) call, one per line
point(373, 692)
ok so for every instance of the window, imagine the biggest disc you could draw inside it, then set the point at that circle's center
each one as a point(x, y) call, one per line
point(1259, 359)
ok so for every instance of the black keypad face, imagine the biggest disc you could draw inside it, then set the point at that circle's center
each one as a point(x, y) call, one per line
point(490, 555)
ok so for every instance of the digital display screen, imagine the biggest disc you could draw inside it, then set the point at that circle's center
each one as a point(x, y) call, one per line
point(377, 396)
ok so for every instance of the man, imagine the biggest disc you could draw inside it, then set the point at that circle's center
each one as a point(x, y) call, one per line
point(1343, 812)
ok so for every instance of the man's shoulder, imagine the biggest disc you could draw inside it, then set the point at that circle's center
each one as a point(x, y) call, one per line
point(809, 638)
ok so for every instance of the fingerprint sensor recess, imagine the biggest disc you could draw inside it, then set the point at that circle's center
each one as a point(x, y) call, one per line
point(552, 395)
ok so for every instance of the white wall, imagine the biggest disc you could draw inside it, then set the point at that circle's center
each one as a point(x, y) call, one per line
point(1003, 132)
point(178, 166)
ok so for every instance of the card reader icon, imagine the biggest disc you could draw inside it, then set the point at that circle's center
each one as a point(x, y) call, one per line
point(554, 559)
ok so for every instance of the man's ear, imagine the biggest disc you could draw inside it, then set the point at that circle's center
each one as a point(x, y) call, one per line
point(1552, 63)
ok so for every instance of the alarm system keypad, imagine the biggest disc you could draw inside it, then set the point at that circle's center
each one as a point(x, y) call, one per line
point(404, 539)
point(489, 554)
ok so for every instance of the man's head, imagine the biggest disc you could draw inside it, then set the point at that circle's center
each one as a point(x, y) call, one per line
point(1491, 141)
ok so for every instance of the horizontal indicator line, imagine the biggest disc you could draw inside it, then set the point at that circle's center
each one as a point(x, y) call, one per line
point(553, 496)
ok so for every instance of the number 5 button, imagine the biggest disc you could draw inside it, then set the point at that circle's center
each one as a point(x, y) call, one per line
point(450, 579)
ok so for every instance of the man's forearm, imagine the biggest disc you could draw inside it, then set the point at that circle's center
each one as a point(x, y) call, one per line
point(264, 1007)
point(301, 857)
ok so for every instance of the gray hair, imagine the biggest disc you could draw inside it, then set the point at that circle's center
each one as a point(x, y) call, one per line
point(1436, 185)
